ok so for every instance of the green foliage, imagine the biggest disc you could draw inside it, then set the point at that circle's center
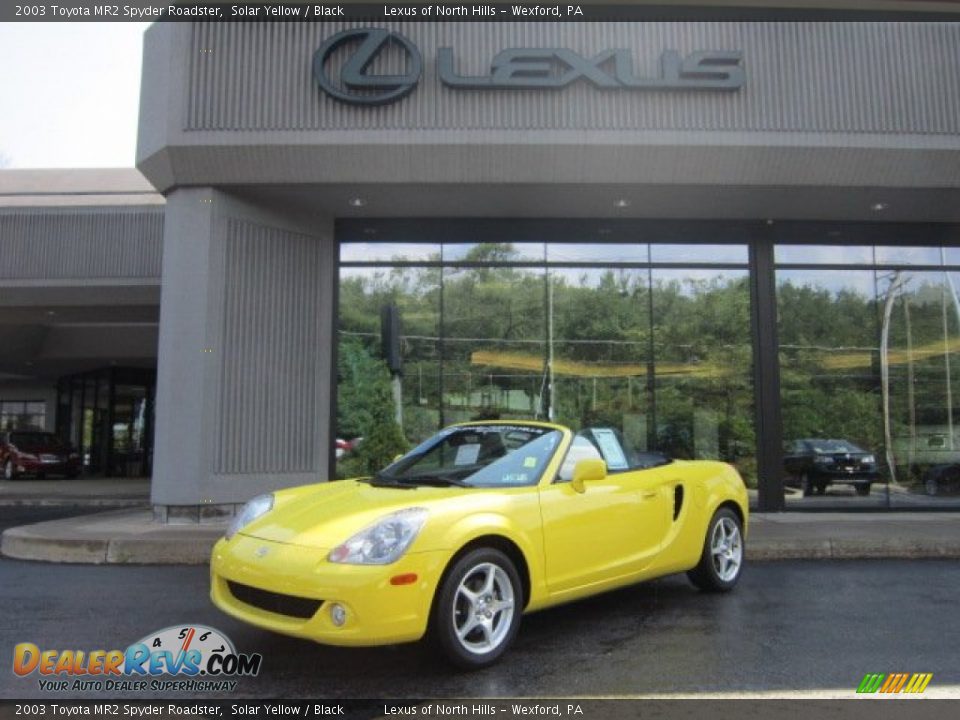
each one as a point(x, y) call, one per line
point(365, 408)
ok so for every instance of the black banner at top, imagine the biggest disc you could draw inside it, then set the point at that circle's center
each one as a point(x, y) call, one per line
point(306, 11)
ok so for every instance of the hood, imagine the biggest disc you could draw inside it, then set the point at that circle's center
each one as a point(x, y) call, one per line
point(327, 514)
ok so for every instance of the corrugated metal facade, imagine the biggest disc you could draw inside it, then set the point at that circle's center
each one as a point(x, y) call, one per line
point(827, 77)
point(49, 244)
point(268, 411)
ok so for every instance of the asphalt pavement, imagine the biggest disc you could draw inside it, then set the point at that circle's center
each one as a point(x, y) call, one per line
point(793, 627)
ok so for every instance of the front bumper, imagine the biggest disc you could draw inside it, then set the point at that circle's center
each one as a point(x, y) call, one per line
point(59, 467)
point(847, 478)
point(377, 613)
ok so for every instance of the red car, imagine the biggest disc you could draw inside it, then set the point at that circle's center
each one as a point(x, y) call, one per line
point(36, 453)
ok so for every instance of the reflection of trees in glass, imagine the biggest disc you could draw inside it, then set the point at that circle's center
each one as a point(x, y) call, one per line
point(704, 391)
point(829, 354)
point(696, 398)
point(831, 362)
point(365, 409)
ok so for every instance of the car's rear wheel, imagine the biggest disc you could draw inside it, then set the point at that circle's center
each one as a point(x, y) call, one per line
point(476, 614)
point(723, 554)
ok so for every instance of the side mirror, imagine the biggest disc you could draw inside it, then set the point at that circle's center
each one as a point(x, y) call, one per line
point(587, 470)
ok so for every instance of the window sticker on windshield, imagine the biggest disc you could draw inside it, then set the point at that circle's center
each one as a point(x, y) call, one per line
point(530, 462)
point(610, 447)
point(467, 454)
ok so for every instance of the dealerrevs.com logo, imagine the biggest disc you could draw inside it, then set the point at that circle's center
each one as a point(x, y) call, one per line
point(204, 657)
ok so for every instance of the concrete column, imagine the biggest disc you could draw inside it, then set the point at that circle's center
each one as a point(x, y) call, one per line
point(244, 362)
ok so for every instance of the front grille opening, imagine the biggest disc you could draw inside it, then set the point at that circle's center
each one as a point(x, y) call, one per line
point(298, 607)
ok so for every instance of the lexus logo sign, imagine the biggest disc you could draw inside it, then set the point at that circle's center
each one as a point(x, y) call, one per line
point(355, 85)
point(513, 69)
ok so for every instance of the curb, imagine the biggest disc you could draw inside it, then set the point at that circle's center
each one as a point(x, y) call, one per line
point(192, 546)
point(75, 502)
point(22, 544)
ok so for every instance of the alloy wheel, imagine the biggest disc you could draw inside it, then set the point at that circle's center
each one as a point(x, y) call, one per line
point(483, 608)
point(726, 549)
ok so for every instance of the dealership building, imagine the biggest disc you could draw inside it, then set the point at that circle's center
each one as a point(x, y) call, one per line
point(729, 239)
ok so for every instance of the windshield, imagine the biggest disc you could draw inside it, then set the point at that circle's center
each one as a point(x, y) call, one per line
point(833, 446)
point(477, 456)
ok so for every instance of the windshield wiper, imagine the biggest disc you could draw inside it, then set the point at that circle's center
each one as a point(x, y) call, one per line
point(386, 481)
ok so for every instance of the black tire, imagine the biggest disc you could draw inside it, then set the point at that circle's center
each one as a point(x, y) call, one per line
point(9, 471)
point(862, 490)
point(806, 485)
point(821, 488)
point(706, 575)
point(452, 609)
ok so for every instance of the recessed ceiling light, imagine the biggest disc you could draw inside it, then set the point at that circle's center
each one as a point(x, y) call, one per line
point(369, 231)
point(622, 203)
point(357, 202)
point(51, 313)
point(879, 207)
point(604, 231)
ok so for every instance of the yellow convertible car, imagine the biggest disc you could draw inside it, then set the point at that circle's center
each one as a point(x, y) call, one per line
point(472, 528)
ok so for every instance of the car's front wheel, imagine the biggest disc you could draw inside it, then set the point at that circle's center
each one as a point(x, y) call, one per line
point(476, 614)
point(722, 559)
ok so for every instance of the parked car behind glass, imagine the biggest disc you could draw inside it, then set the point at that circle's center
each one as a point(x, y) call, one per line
point(812, 464)
point(942, 479)
point(36, 453)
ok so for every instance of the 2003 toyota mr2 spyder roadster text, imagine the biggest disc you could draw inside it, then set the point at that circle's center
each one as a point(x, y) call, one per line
point(472, 528)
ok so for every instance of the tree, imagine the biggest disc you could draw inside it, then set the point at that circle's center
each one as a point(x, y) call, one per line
point(365, 409)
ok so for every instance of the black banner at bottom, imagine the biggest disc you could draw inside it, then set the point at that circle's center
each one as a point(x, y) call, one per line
point(874, 708)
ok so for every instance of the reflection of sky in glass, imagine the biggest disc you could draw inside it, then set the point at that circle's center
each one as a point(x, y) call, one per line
point(529, 252)
point(698, 253)
point(908, 255)
point(834, 281)
point(597, 252)
point(689, 277)
point(824, 254)
point(952, 255)
point(592, 277)
point(370, 252)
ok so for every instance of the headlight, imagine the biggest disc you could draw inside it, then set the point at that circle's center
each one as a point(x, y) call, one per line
point(383, 542)
point(869, 460)
point(260, 505)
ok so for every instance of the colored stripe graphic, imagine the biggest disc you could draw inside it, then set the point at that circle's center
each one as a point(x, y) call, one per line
point(894, 683)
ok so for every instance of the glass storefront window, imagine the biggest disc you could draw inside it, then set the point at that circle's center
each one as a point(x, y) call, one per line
point(824, 254)
point(830, 385)
point(601, 350)
point(598, 253)
point(22, 415)
point(703, 360)
point(494, 337)
point(698, 253)
point(908, 255)
point(493, 252)
point(389, 252)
